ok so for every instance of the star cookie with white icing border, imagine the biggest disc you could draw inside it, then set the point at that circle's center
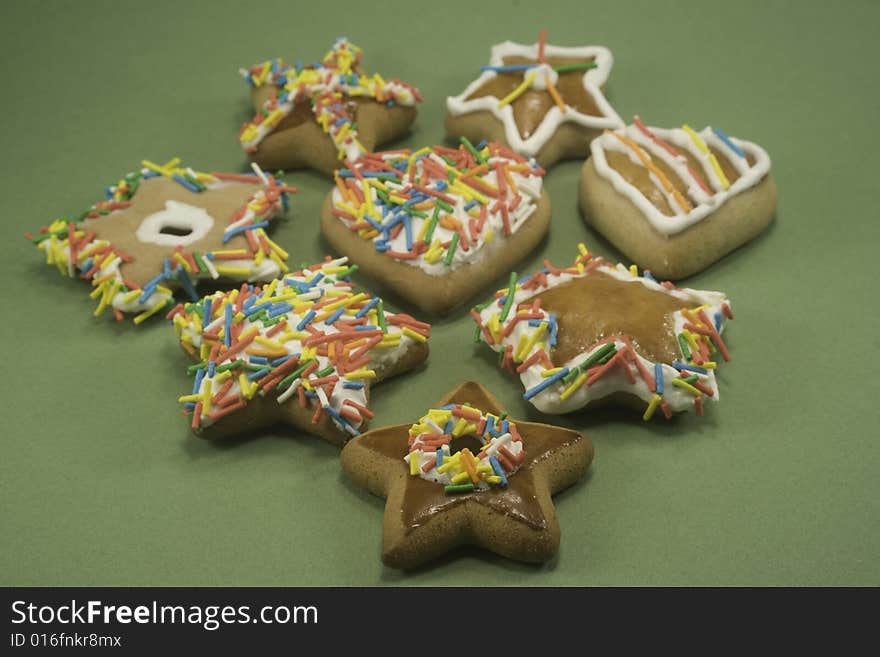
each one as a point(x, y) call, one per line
point(465, 474)
point(676, 200)
point(543, 101)
point(319, 115)
point(302, 350)
point(167, 226)
point(593, 331)
point(436, 225)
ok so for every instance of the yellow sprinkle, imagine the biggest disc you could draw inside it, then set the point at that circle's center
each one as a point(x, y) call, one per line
point(361, 374)
point(493, 479)
point(582, 249)
point(652, 406)
point(414, 463)
point(633, 270)
point(550, 372)
point(232, 271)
point(268, 342)
point(418, 337)
point(489, 235)
point(206, 397)
point(221, 378)
point(189, 398)
point(516, 93)
point(128, 297)
point(577, 383)
point(149, 313)
point(535, 337)
point(152, 166)
point(183, 263)
point(681, 383)
point(461, 477)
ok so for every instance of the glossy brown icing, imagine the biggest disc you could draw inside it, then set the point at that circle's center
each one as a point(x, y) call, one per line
point(598, 306)
point(422, 499)
point(530, 108)
point(639, 176)
point(119, 227)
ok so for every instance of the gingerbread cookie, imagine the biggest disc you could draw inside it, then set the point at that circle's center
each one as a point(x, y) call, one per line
point(675, 201)
point(166, 226)
point(465, 474)
point(544, 101)
point(321, 115)
point(437, 224)
point(594, 331)
point(302, 350)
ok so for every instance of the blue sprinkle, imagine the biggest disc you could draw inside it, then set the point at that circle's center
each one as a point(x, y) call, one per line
point(496, 466)
point(546, 383)
point(212, 368)
point(482, 145)
point(647, 274)
point(166, 268)
point(197, 383)
point(259, 360)
point(242, 229)
point(490, 425)
point(448, 407)
point(504, 427)
point(253, 376)
point(187, 285)
point(509, 68)
point(206, 319)
point(336, 315)
point(279, 361)
point(227, 326)
point(407, 231)
point(448, 427)
point(439, 457)
point(353, 385)
point(306, 320)
point(658, 378)
point(736, 149)
point(186, 183)
point(717, 319)
point(468, 206)
point(189, 405)
point(365, 327)
point(363, 311)
point(535, 322)
point(690, 368)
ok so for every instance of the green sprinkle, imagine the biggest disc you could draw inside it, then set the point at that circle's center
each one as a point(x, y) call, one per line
point(445, 206)
point(347, 272)
point(502, 417)
point(325, 372)
point(448, 161)
point(477, 333)
point(432, 225)
point(450, 252)
point(252, 367)
point(293, 376)
point(511, 292)
point(566, 68)
point(380, 316)
point(685, 351)
point(192, 369)
point(231, 366)
point(690, 379)
point(200, 262)
point(480, 307)
point(459, 488)
point(468, 145)
point(603, 353)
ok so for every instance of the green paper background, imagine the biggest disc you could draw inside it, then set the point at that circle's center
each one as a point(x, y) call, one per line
point(102, 483)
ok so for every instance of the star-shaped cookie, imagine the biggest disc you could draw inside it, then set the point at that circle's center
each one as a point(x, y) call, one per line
point(320, 115)
point(167, 226)
point(592, 330)
point(437, 224)
point(544, 101)
point(302, 350)
point(465, 474)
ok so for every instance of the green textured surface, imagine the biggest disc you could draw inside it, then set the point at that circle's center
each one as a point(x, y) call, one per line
point(100, 480)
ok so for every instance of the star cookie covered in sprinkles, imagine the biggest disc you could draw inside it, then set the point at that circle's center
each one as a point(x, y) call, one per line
point(543, 101)
point(676, 200)
point(320, 115)
point(437, 224)
point(467, 474)
point(302, 350)
point(592, 330)
point(165, 227)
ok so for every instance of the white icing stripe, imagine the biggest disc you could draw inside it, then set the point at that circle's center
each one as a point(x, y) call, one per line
point(593, 79)
point(680, 140)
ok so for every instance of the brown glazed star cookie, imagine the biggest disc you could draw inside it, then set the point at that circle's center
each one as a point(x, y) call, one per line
point(303, 351)
point(321, 115)
point(543, 101)
point(465, 474)
point(165, 227)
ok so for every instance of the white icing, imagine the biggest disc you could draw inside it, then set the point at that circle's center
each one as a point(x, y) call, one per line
point(177, 215)
point(593, 79)
point(704, 204)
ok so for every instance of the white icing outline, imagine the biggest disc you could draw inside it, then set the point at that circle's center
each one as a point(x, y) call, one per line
point(593, 79)
point(176, 214)
point(680, 140)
